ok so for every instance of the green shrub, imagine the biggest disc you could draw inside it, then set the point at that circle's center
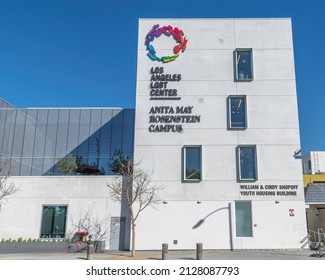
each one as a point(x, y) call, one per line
point(20, 239)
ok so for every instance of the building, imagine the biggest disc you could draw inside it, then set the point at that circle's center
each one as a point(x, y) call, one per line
point(315, 210)
point(314, 183)
point(34, 139)
point(49, 205)
point(314, 162)
point(216, 122)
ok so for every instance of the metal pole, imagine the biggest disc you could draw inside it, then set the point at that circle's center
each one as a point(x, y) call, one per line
point(90, 252)
point(199, 251)
point(230, 228)
point(164, 251)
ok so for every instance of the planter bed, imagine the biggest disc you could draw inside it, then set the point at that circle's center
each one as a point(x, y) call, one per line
point(47, 247)
point(33, 247)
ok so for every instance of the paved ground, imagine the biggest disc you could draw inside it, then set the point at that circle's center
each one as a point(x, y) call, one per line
point(173, 255)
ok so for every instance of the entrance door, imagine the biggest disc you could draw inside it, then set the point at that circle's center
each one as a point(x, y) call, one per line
point(117, 236)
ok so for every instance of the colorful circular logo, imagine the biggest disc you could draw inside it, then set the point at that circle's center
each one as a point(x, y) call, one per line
point(168, 31)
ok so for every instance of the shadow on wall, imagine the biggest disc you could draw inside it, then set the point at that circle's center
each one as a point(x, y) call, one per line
point(201, 221)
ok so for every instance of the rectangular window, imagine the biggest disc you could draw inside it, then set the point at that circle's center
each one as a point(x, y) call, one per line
point(243, 212)
point(192, 163)
point(309, 164)
point(237, 112)
point(247, 163)
point(53, 221)
point(244, 65)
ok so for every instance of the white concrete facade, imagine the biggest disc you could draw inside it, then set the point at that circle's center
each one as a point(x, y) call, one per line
point(205, 211)
point(202, 211)
point(21, 213)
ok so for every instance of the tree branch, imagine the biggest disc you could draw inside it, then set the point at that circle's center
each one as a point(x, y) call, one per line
point(5, 188)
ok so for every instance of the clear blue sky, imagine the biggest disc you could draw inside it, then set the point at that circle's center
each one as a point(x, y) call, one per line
point(68, 53)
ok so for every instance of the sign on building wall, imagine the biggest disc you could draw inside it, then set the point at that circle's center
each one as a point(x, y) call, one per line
point(267, 190)
point(171, 117)
point(291, 212)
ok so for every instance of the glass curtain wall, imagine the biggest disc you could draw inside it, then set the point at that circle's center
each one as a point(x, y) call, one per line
point(34, 140)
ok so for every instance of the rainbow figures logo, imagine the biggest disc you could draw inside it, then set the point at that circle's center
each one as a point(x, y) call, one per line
point(156, 32)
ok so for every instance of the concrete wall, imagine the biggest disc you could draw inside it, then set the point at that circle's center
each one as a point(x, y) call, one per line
point(21, 213)
point(207, 79)
point(213, 224)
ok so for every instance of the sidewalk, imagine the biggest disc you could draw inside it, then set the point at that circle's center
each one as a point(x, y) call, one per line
point(172, 255)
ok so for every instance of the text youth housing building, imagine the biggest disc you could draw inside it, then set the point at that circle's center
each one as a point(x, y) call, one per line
point(217, 122)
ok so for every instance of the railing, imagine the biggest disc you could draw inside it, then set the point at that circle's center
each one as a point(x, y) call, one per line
point(317, 242)
point(313, 237)
point(316, 236)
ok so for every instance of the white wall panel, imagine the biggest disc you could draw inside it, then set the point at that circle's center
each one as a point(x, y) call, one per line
point(207, 72)
point(263, 33)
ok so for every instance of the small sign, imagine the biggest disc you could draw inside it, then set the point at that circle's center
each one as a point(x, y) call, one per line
point(291, 212)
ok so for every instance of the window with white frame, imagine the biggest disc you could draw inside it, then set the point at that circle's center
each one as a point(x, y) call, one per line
point(192, 163)
point(243, 65)
point(247, 163)
point(237, 116)
point(53, 221)
point(243, 213)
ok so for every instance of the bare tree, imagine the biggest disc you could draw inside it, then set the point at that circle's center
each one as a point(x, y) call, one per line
point(87, 221)
point(134, 187)
point(6, 188)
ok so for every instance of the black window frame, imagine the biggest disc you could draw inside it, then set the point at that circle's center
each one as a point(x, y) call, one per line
point(52, 235)
point(239, 173)
point(184, 177)
point(237, 78)
point(229, 112)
